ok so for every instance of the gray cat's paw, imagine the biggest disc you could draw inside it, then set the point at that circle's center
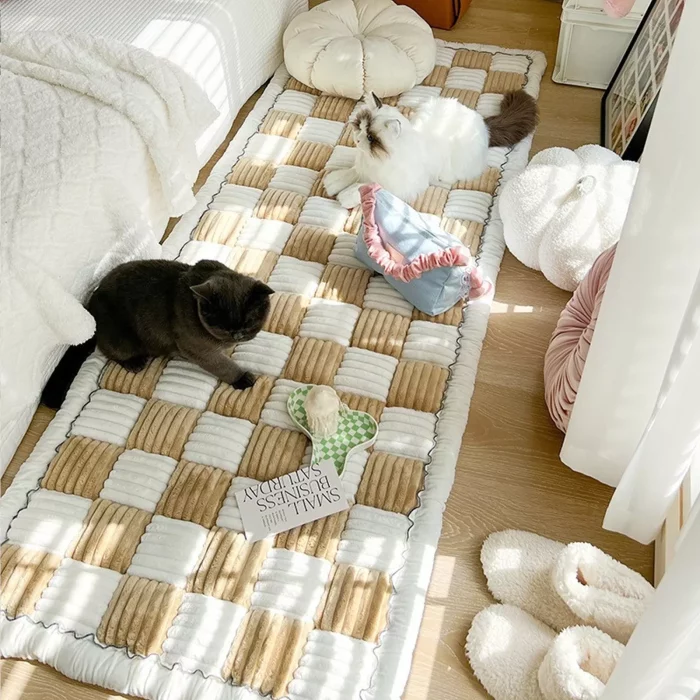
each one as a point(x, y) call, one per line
point(245, 381)
point(134, 364)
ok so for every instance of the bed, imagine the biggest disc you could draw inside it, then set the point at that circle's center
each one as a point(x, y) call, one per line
point(88, 181)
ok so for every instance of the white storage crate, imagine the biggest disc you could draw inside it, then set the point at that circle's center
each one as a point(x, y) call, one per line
point(591, 45)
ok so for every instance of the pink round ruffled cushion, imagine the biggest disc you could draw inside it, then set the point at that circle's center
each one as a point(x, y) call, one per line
point(568, 349)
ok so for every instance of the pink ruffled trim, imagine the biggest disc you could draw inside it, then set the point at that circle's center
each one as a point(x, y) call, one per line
point(450, 257)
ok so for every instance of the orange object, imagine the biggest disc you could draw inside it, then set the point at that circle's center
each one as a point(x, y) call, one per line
point(442, 14)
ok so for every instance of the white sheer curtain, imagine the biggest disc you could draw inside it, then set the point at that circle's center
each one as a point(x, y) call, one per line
point(636, 421)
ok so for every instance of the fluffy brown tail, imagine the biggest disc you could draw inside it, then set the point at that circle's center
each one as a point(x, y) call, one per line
point(518, 119)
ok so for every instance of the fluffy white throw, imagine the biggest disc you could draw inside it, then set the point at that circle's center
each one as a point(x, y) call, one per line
point(98, 150)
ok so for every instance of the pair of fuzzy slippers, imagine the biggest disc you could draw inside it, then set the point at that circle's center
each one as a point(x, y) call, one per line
point(567, 612)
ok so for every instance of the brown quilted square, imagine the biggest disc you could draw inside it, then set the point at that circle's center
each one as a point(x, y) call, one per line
point(380, 331)
point(116, 378)
point(254, 262)
point(432, 201)
point(163, 428)
point(314, 361)
point(464, 58)
point(391, 483)
point(287, 124)
point(196, 493)
point(25, 573)
point(358, 402)
point(229, 567)
point(469, 232)
point(310, 154)
point(318, 189)
point(272, 452)
point(356, 602)
point(139, 614)
point(220, 226)
point(81, 466)
point(346, 136)
point(280, 205)
point(294, 84)
point(250, 172)
point(488, 182)
point(354, 221)
point(503, 81)
point(451, 317)
point(319, 538)
point(336, 109)
point(418, 385)
point(346, 284)
point(468, 98)
point(313, 243)
point(246, 404)
point(110, 535)
point(437, 77)
point(266, 651)
point(286, 313)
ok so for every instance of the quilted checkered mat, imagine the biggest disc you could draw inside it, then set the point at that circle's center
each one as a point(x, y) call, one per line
point(124, 563)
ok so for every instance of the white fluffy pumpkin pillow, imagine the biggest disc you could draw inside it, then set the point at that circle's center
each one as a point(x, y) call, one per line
point(351, 47)
point(565, 209)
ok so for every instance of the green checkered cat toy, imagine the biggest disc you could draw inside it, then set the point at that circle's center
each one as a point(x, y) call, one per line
point(335, 430)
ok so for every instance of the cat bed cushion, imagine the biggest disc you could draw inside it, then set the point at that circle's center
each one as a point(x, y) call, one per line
point(568, 349)
point(565, 209)
point(426, 265)
point(350, 47)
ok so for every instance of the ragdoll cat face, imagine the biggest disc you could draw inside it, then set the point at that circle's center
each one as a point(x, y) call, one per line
point(232, 307)
point(377, 127)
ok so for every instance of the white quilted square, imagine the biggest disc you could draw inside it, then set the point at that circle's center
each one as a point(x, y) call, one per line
point(418, 94)
point(407, 433)
point(342, 157)
point(382, 296)
point(343, 252)
point(218, 441)
point(374, 539)
point(319, 211)
point(498, 157)
point(77, 597)
point(138, 479)
point(366, 373)
point(50, 522)
point(295, 101)
point(466, 79)
point(265, 234)
point(168, 551)
point(321, 131)
point(510, 63)
point(444, 56)
point(468, 204)
point(267, 353)
point(333, 667)
point(201, 634)
point(273, 149)
point(489, 104)
point(229, 514)
point(291, 582)
point(431, 342)
point(352, 474)
point(194, 251)
point(275, 410)
point(330, 320)
point(295, 276)
point(185, 383)
point(109, 416)
point(294, 179)
point(236, 198)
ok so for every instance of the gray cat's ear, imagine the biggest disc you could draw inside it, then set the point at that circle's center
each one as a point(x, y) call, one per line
point(259, 291)
point(394, 126)
point(204, 291)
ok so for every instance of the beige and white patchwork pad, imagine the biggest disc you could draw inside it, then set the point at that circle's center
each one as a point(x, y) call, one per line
point(124, 561)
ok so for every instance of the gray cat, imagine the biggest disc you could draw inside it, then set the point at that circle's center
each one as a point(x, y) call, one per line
point(150, 308)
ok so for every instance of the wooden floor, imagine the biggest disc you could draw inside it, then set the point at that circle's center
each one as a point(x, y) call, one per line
point(509, 474)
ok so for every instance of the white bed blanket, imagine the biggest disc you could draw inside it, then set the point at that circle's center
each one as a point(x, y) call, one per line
point(98, 150)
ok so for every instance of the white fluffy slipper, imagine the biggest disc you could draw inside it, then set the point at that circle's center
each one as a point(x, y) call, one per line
point(516, 657)
point(564, 585)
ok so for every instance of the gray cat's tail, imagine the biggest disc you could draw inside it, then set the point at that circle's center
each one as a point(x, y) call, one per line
point(518, 119)
point(59, 382)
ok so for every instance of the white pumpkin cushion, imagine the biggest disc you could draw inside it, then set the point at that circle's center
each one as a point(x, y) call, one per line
point(565, 209)
point(350, 47)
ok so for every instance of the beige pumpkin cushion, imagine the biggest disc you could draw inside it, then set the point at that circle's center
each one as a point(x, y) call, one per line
point(350, 47)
